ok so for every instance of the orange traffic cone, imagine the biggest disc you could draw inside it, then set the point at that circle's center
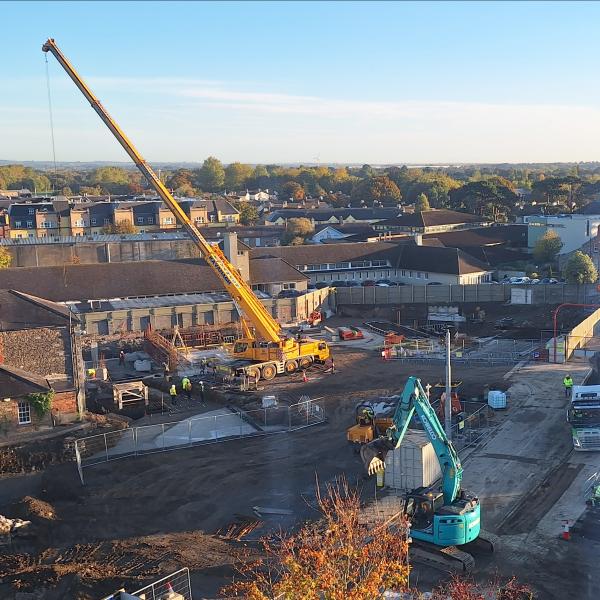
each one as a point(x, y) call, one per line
point(566, 532)
point(304, 377)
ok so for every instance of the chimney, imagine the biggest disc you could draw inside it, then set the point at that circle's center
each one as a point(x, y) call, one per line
point(418, 239)
point(230, 247)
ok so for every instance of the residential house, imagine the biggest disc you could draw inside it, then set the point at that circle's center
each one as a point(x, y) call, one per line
point(431, 221)
point(39, 351)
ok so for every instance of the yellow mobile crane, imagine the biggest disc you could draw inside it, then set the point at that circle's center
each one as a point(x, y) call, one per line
point(269, 349)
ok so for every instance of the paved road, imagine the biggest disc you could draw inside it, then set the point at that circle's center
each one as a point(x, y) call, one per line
point(533, 440)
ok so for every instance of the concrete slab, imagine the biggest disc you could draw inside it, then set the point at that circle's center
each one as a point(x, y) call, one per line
point(533, 440)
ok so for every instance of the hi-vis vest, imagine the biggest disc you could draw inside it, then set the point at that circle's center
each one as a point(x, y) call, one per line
point(568, 382)
point(173, 391)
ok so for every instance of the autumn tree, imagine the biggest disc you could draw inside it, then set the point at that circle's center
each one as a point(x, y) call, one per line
point(5, 258)
point(297, 230)
point(488, 197)
point(380, 190)
point(337, 557)
point(121, 227)
point(293, 190)
point(422, 203)
point(248, 213)
point(580, 269)
point(211, 177)
point(547, 247)
point(237, 176)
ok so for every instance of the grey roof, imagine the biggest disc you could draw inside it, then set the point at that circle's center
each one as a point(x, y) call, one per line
point(324, 214)
point(433, 218)
point(131, 279)
point(17, 383)
point(19, 311)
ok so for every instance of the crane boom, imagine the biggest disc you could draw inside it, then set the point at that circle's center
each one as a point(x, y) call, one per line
point(266, 326)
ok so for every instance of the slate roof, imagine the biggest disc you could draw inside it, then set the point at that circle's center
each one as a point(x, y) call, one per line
point(16, 382)
point(400, 255)
point(131, 279)
point(433, 218)
point(324, 214)
point(24, 311)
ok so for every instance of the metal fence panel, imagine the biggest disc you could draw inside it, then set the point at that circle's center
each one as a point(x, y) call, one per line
point(147, 439)
point(168, 587)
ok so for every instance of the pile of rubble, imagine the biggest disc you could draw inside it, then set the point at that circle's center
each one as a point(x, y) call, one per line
point(11, 526)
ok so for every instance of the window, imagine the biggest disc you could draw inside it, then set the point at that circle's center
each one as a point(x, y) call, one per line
point(289, 286)
point(199, 219)
point(24, 413)
point(46, 224)
point(93, 221)
point(140, 220)
point(80, 223)
point(426, 275)
point(17, 223)
point(29, 223)
point(419, 275)
point(150, 220)
point(212, 218)
point(168, 220)
point(410, 273)
point(107, 221)
point(32, 211)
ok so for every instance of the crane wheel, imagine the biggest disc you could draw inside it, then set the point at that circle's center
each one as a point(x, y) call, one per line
point(269, 372)
point(305, 362)
point(291, 366)
point(254, 372)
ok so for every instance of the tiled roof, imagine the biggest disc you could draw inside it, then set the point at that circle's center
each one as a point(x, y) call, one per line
point(130, 279)
point(433, 218)
point(400, 255)
point(324, 214)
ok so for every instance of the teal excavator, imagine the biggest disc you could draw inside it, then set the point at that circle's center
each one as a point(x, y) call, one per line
point(445, 520)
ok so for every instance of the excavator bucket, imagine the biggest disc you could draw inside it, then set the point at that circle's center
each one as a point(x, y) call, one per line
point(373, 455)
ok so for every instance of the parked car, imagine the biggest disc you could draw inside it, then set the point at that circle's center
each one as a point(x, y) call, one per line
point(382, 284)
point(549, 280)
point(504, 323)
point(368, 283)
point(352, 283)
point(534, 281)
point(321, 284)
point(338, 283)
point(434, 283)
point(289, 294)
point(385, 282)
point(311, 286)
point(519, 280)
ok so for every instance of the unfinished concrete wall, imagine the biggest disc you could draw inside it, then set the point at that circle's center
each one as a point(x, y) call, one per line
point(45, 351)
point(581, 334)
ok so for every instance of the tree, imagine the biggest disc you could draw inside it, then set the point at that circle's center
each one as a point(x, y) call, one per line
point(122, 227)
point(237, 176)
point(186, 190)
point(547, 247)
point(211, 177)
point(292, 189)
point(337, 557)
point(422, 203)
point(296, 230)
point(248, 213)
point(379, 189)
point(5, 258)
point(180, 178)
point(488, 197)
point(580, 269)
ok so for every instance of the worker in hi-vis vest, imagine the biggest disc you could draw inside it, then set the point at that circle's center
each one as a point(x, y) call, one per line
point(568, 383)
point(173, 394)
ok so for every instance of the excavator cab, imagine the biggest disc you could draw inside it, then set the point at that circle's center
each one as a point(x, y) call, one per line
point(364, 431)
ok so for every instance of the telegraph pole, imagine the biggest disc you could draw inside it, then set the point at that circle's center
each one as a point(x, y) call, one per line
point(448, 403)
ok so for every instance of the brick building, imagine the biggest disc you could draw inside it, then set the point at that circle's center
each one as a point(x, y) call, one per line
point(38, 353)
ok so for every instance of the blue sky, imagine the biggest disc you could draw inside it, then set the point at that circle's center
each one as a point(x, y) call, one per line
point(293, 82)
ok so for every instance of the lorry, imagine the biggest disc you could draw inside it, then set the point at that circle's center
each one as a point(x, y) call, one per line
point(583, 415)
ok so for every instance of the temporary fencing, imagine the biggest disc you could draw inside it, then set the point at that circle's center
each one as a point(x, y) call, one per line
point(225, 424)
point(473, 429)
point(176, 585)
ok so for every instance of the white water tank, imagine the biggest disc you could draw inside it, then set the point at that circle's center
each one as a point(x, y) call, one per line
point(413, 465)
point(496, 399)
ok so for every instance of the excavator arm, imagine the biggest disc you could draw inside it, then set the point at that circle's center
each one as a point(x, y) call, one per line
point(413, 399)
point(241, 293)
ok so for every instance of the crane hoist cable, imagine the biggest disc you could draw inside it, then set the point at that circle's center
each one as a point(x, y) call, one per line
point(51, 122)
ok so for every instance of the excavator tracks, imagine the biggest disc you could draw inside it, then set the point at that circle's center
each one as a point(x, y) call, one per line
point(450, 558)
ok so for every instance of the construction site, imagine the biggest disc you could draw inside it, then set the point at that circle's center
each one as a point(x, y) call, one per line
point(197, 441)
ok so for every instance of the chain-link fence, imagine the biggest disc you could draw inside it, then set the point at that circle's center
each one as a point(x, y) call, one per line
point(473, 428)
point(216, 426)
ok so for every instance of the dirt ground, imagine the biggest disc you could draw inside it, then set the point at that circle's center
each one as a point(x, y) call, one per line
point(140, 518)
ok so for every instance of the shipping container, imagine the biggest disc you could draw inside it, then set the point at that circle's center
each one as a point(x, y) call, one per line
point(413, 465)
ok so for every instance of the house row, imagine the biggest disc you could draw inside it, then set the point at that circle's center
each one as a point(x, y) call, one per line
point(61, 218)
